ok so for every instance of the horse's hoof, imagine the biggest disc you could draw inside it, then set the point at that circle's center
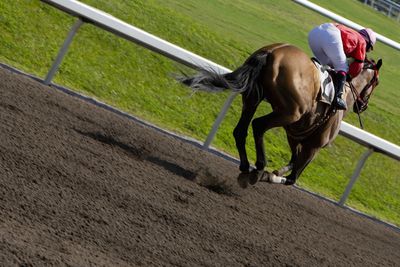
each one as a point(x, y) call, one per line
point(246, 178)
point(255, 175)
point(243, 179)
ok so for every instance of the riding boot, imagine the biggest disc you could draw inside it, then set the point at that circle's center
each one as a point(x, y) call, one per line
point(340, 82)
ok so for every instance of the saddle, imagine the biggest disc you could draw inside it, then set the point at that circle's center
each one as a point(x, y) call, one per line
point(327, 87)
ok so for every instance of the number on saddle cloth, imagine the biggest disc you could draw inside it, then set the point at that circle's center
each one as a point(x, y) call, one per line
point(326, 84)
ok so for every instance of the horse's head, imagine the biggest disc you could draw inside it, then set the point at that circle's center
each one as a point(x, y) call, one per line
point(365, 84)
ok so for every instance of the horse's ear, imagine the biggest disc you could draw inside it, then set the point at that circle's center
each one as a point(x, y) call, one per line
point(379, 64)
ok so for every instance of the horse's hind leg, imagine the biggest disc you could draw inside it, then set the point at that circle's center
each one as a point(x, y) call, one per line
point(261, 125)
point(240, 132)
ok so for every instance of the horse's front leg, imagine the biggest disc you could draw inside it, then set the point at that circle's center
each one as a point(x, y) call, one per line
point(295, 148)
point(241, 129)
point(305, 156)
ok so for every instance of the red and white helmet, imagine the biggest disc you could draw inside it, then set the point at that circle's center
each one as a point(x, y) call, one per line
point(369, 36)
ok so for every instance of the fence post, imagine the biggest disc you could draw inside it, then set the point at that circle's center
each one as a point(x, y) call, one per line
point(62, 51)
point(356, 173)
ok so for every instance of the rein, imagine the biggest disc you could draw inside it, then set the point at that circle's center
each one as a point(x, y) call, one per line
point(357, 96)
point(354, 93)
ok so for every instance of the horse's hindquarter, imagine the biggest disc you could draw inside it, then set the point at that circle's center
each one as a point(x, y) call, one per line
point(291, 81)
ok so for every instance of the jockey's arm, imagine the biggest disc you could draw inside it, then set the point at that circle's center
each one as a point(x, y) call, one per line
point(355, 68)
point(358, 55)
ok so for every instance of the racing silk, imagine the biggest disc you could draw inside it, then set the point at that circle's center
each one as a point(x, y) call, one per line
point(354, 45)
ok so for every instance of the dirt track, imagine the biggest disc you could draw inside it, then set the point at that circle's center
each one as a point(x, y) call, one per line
point(82, 186)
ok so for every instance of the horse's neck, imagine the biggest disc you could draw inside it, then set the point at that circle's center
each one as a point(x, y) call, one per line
point(358, 84)
point(350, 97)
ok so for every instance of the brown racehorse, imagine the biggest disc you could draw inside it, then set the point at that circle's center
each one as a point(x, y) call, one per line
point(284, 76)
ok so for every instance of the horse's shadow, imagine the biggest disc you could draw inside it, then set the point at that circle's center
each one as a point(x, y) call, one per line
point(140, 154)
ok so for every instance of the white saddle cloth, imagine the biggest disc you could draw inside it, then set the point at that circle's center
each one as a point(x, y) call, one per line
point(326, 84)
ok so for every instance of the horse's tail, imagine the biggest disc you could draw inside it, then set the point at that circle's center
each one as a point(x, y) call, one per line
point(244, 78)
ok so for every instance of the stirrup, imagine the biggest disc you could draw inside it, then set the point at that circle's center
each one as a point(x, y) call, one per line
point(340, 104)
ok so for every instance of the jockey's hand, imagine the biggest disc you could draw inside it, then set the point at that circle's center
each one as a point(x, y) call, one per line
point(348, 78)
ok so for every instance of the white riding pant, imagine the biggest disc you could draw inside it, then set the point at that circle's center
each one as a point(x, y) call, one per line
point(326, 44)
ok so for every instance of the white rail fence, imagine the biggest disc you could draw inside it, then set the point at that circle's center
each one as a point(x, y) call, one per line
point(387, 7)
point(87, 14)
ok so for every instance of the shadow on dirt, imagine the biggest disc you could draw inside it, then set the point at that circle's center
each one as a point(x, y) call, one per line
point(205, 178)
point(136, 153)
point(140, 154)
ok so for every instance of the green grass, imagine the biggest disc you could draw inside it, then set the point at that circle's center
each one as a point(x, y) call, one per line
point(138, 81)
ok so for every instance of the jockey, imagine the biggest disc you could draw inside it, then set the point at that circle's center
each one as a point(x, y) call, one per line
point(333, 43)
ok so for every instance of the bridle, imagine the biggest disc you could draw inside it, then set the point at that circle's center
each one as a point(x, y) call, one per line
point(360, 98)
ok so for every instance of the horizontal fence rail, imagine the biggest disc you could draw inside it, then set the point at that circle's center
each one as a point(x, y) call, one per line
point(88, 14)
point(129, 32)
